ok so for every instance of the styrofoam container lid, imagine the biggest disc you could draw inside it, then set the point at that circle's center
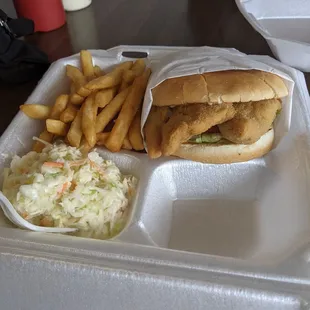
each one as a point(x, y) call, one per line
point(285, 26)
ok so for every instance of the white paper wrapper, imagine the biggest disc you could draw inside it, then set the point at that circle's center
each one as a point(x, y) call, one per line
point(209, 59)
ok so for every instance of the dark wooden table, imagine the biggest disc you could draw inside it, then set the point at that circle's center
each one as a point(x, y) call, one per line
point(107, 23)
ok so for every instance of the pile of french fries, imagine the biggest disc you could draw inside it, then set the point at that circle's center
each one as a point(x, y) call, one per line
point(96, 102)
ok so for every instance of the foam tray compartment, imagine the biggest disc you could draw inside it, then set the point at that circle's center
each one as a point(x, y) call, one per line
point(189, 220)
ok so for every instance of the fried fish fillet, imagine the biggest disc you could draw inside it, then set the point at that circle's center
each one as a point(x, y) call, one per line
point(252, 120)
point(157, 117)
point(188, 120)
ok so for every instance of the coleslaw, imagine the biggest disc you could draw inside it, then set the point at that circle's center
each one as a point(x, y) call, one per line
point(62, 188)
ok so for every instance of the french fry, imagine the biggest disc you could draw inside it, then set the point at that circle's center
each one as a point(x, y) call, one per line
point(109, 80)
point(78, 79)
point(68, 114)
point(134, 133)
point(123, 86)
point(76, 76)
point(83, 91)
point(76, 99)
point(126, 144)
point(128, 112)
point(72, 88)
point(98, 71)
point(138, 67)
point(124, 65)
point(45, 136)
point(92, 89)
point(59, 106)
point(95, 109)
point(110, 111)
point(84, 146)
point(129, 76)
point(89, 121)
point(56, 127)
point(75, 133)
point(104, 97)
point(87, 64)
point(102, 137)
point(157, 117)
point(36, 111)
point(136, 70)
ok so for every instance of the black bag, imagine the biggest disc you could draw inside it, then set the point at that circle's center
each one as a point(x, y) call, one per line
point(19, 61)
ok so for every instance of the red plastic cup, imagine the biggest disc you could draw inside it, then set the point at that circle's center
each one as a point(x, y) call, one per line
point(47, 14)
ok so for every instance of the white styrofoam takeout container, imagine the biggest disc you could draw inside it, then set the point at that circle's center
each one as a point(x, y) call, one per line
point(285, 25)
point(199, 236)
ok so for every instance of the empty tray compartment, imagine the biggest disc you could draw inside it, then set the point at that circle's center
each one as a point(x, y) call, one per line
point(244, 210)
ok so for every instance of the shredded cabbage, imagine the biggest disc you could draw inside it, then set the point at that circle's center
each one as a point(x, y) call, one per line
point(61, 188)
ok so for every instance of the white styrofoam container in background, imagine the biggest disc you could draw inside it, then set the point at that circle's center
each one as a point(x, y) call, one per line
point(200, 236)
point(285, 25)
